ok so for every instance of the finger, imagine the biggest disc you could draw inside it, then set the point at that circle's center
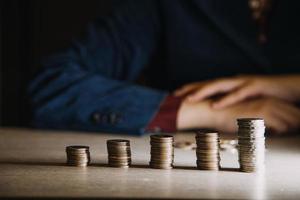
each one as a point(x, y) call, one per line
point(274, 122)
point(186, 89)
point(239, 95)
point(283, 119)
point(190, 88)
point(289, 114)
point(219, 86)
point(277, 125)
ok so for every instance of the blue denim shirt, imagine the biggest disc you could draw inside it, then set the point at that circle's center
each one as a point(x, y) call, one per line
point(91, 85)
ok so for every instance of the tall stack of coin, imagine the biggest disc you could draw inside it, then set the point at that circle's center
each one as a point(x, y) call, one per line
point(119, 153)
point(162, 151)
point(207, 151)
point(251, 143)
point(78, 155)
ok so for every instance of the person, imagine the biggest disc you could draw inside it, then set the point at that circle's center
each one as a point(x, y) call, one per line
point(204, 64)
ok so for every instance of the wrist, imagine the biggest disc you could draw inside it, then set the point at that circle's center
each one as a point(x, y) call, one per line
point(165, 118)
point(195, 115)
point(286, 87)
point(293, 85)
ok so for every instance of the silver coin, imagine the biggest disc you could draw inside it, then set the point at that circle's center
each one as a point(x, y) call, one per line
point(118, 142)
point(160, 166)
point(207, 134)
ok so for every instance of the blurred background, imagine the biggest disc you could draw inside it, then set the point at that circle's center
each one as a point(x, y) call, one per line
point(29, 30)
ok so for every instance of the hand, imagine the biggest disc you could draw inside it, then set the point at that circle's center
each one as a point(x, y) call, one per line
point(280, 116)
point(240, 88)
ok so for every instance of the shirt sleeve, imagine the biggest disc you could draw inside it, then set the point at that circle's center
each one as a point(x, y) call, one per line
point(166, 117)
point(91, 85)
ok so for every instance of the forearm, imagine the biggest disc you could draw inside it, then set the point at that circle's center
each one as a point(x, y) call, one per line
point(174, 114)
point(83, 101)
point(294, 84)
point(285, 86)
point(195, 115)
point(89, 85)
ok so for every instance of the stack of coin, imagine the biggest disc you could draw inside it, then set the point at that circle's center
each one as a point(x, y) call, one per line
point(78, 155)
point(207, 151)
point(251, 144)
point(119, 153)
point(162, 151)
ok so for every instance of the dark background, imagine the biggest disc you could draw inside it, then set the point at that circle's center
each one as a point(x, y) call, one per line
point(29, 30)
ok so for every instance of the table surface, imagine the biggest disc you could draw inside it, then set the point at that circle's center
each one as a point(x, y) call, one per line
point(32, 164)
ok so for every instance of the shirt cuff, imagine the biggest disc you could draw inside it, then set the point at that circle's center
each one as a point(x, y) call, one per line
point(165, 119)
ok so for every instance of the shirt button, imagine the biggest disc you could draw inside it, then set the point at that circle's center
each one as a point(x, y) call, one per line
point(114, 118)
point(105, 119)
point(96, 117)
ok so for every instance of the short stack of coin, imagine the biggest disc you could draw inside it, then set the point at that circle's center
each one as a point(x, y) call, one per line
point(207, 151)
point(119, 153)
point(78, 155)
point(251, 144)
point(162, 151)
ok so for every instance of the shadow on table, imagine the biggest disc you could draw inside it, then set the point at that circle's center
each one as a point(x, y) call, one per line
point(226, 169)
point(32, 163)
point(186, 167)
point(45, 163)
point(140, 166)
point(230, 169)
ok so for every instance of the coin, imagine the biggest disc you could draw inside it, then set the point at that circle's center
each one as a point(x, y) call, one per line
point(119, 153)
point(162, 151)
point(78, 155)
point(207, 151)
point(251, 144)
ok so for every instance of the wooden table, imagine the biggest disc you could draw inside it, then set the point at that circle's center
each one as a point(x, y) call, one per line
point(32, 164)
